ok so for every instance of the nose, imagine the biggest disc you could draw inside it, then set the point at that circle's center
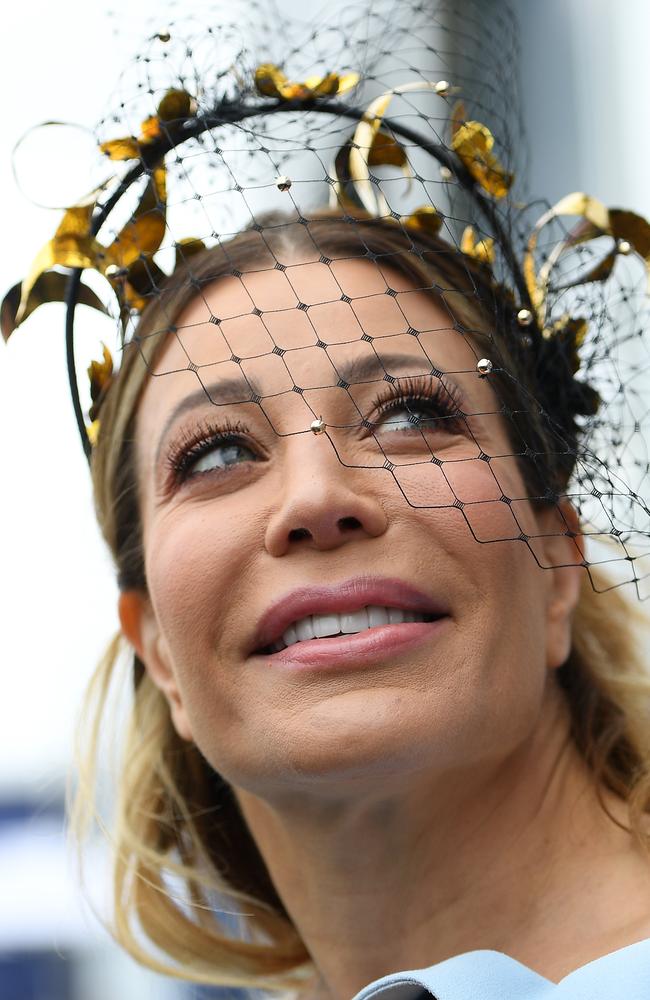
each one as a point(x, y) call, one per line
point(322, 503)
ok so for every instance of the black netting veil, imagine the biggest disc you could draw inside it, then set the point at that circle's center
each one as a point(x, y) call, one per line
point(338, 206)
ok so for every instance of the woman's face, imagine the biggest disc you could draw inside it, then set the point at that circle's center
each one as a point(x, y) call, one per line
point(259, 533)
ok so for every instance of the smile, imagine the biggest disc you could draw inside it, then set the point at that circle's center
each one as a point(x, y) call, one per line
point(322, 626)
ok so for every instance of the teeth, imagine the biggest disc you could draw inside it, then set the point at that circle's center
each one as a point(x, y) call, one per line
point(322, 626)
point(325, 625)
point(378, 616)
point(290, 636)
point(305, 629)
point(357, 621)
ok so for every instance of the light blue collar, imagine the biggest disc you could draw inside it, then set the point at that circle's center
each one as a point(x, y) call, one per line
point(491, 975)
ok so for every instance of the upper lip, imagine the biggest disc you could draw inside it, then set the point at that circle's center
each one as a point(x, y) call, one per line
point(347, 596)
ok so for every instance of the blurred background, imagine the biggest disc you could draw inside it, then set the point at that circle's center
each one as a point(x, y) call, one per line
point(584, 78)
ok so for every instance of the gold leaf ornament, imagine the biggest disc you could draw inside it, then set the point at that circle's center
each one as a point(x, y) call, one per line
point(100, 374)
point(51, 286)
point(595, 224)
point(473, 144)
point(482, 250)
point(71, 246)
point(629, 230)
point(127, 148)
point(174, 105)
point(92, 430)
point(270, 81)
point(373, 146)
point(385, 150)
point(145, 231)
point(425, 220)
point(634, 229)
point(186, 248)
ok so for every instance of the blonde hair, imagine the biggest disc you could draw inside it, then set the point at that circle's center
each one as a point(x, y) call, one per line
point(178, 820)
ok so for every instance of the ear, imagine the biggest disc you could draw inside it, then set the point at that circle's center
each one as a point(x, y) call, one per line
point(562, 555)
point(140, 627)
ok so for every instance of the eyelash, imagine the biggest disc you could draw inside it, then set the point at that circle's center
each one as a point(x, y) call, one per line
point(425, 392)
point(192, 444)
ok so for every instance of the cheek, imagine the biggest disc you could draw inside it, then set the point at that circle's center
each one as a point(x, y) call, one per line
point(480, 491)
point(494, 670)
point(190, 559)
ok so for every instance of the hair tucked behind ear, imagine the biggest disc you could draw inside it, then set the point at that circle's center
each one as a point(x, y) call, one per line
point(184, 860)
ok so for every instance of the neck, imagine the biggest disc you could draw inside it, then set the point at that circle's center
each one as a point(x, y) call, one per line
point(508, 857)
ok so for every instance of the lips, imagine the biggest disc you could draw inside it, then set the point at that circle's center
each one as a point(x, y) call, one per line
point(345, 597)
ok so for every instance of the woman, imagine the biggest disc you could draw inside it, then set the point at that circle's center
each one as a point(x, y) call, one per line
point(380, 711)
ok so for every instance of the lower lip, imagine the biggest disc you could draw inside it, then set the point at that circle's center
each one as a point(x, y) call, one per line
point(350, 651)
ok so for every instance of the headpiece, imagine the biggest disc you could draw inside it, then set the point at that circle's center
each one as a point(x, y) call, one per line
point(208, 136)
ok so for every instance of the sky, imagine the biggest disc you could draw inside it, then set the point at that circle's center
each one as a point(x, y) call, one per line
point(585, 89)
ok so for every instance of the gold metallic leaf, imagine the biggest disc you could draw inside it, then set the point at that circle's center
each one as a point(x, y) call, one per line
point(386, 151)
point(175, 104)
point(330, 84)
point(150, 129)
point(270, 81)
point(140, 282)
point(343, 193)
point(75, 221)
point(458, 117)
point(535, 291)
point(92, 430)
point(361, 147)
point(130, 148)
point(426, 220)
point(473, 142)
point(71, 246)
point(144, 233)
point(50, 286)
point(363, 144)
point(186, 248)
point(578, 203)
point(634, 228)
point(347, 82)
point(121, 149)
point(481, 250)
point(595, 224)
point(100, 374)
point(322, 86)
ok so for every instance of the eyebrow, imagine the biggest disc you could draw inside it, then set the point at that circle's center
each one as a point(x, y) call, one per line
point(238, 390)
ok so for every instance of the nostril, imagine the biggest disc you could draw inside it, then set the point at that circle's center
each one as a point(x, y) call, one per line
point(349, 523)
point(297, 534)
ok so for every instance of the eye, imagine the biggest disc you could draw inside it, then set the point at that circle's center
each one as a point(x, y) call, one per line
point(409, 415)
point(417, 406)
point(209, 450)
point(220, 455)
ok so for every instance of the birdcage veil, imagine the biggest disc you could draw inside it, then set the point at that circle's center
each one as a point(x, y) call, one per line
point(397, 121)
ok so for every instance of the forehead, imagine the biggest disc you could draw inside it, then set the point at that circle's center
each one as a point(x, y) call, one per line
point(278, 326)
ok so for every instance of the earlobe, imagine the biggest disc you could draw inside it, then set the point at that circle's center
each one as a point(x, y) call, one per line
point(140, 628)
point(130, 610)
